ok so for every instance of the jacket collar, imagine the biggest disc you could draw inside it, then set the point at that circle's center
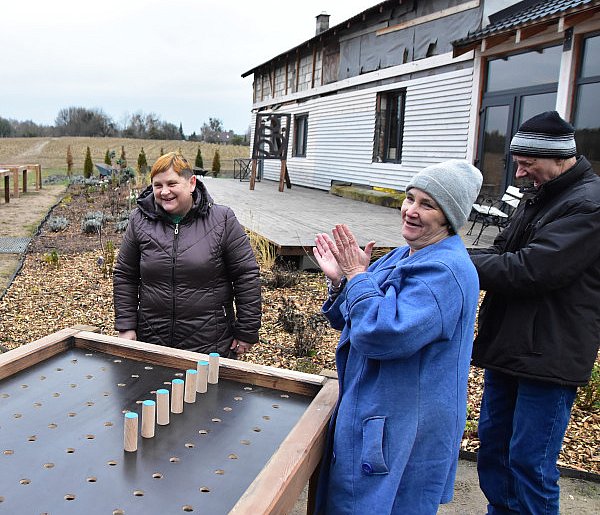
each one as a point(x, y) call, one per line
point(202, 203)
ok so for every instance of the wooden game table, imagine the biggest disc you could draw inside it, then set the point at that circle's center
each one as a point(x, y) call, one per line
point(247, 446)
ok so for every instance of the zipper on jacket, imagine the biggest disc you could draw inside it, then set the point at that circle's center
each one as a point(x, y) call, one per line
point(224, 311)
point(173, 264)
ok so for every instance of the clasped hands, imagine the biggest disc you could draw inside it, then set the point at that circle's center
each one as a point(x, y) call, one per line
point(341, 256)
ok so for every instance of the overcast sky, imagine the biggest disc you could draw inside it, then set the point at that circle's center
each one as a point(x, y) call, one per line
point(180, 59)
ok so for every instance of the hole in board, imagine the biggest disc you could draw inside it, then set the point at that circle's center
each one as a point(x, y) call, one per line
point(232, 457)
point(227, 408)
point(174, 459)
point(245, 442)
point(90, 437)
point(266, 417)
point(9, 452)
point(118, 512)
point(204, 431)
point(187, 508)
point(25, 481)
point(32, 438)
point(112, 463)
point(138, 493)
point(204, 489)
point(48, 465)
point(190, 445)
point(70, 497)
point(219, 472)
point(216, 420)
point(157, 475)
point(256, 429)
point(91, 479)
point(52, 425)
point(237, 398)
point(70, 450)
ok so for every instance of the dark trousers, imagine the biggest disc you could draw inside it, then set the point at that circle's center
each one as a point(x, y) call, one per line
point(521, 428)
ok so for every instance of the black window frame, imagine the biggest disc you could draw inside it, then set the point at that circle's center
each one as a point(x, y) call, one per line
point(386, 118)
point(300, 140)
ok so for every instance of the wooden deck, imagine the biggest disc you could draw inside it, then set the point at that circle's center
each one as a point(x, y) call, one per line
point(290, 219)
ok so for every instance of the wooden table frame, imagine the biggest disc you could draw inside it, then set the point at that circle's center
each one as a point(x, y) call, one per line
point(24, 169)
point(5, 174)
point(277, 487)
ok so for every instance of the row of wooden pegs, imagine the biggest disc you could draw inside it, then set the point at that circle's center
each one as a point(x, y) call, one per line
point(158, 412)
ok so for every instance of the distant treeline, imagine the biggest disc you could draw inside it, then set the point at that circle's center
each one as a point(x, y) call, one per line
point(81, 121)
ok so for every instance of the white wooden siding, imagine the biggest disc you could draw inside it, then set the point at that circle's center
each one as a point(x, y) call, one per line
point(341, 130)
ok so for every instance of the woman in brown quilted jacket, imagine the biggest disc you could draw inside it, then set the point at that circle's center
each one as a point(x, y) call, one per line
point(186, 275)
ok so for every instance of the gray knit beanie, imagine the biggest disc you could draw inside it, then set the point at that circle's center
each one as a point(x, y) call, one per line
point(454, 185)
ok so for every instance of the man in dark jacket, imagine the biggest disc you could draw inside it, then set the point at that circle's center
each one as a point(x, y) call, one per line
point(539, 323)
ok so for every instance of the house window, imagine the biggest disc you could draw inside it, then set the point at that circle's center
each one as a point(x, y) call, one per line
point(587, 108)
point(389, 126)
point(300, 132)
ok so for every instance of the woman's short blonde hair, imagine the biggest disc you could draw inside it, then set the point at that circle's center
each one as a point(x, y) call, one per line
point(174, 160)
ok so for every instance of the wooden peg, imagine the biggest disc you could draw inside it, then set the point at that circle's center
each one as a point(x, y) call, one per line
point(213, 368)
point(177, 396)
point(162, 407)
point(148, 418)
point(202, 380)
point(190, 386)
point(130, 432)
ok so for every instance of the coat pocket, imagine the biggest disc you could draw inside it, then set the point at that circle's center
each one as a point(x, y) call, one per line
point(372, 457)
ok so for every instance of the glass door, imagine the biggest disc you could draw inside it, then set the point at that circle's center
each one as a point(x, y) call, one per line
point(501, 116)
point(494, 140)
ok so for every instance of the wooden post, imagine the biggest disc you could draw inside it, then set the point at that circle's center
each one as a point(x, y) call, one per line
point(148, 418)
point(15, 175)
point(177, 396)
point(130, 432)
point(162, 407)
point(284, 176)
point(6, 187)
point(253, 175)
point(25, 180)
point(213, 368)
point(202, 381)
point(191, 376)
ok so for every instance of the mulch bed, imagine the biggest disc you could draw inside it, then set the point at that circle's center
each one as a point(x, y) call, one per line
point(72, 288)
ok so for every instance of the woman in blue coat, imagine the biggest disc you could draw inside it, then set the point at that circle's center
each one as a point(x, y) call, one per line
point(403, 355)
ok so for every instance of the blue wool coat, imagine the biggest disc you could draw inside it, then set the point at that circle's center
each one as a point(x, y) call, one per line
point(403, 364)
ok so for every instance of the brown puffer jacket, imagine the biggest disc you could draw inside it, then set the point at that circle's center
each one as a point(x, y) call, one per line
point(176, 284)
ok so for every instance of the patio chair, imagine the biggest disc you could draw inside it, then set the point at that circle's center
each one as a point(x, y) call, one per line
point(497, 213)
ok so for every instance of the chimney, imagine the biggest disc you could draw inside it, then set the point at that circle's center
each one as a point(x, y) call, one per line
point(322, 23)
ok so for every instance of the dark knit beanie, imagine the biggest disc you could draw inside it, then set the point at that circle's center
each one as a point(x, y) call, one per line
point(545, 135)
point(454, 185)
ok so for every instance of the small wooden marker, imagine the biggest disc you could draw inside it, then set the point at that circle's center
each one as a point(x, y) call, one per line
point(148, 418)
point(130, 432)
point(213, 368)
point(190, 386)
point(202, 380)
point(162, 407)
point(177, 396)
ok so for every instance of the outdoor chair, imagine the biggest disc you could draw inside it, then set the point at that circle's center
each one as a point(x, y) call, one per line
point(496, 213)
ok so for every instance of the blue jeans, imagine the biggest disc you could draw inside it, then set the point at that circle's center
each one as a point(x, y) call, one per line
point(521, 428)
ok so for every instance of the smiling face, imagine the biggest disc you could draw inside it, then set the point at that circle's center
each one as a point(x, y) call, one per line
point(173, 191)
point(423, 221)
point(540, 169)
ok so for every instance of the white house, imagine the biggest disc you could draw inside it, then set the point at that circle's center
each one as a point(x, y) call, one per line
point(407, 83)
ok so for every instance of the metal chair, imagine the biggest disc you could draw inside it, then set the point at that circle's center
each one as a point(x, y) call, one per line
point(497, 213)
